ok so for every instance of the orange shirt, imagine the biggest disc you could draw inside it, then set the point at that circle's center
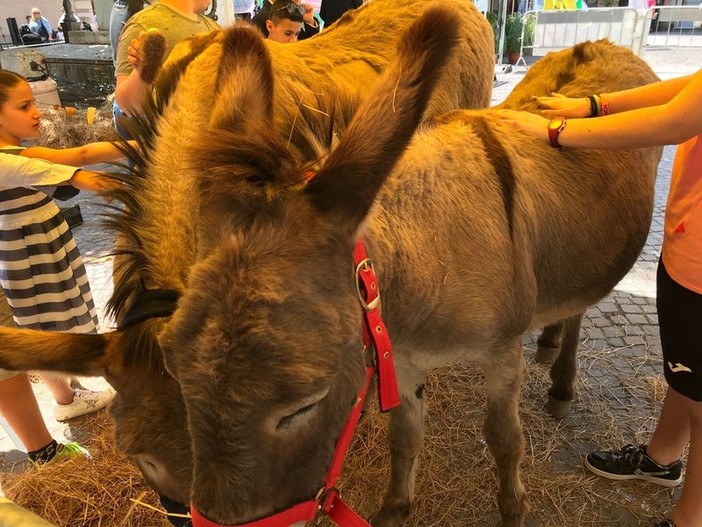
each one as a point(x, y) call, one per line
point(682, 243)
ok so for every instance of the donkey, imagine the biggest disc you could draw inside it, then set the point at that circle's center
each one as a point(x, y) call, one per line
point(558, 342)
point(478, 234)
point(345, 59)
point(319, 83)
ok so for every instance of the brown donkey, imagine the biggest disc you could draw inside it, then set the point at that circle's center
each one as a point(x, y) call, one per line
point(319, 84)
point(590, 69)
point(477, 233)
point(489, 233)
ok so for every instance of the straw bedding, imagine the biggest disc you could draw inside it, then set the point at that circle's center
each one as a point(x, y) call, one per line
point(87, 492)
point(456, 484)
point(62, 129)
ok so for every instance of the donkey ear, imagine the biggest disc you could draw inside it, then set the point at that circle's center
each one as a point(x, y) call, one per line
point(384, 124)
point(27, 349)
point(244, 79)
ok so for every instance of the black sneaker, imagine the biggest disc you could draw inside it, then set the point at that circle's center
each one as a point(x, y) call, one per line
point(632, 462)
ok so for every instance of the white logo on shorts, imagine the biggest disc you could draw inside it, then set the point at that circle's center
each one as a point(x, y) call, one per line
point(678, 367)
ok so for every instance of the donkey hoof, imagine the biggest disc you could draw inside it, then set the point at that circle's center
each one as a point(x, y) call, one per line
point(546, 355)
point(557, 408)
point(390, 517)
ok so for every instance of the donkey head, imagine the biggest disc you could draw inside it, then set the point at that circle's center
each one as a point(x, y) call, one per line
point(148, 409)
point(266, 342)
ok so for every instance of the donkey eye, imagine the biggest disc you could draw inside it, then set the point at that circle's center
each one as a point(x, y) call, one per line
point(302, 413)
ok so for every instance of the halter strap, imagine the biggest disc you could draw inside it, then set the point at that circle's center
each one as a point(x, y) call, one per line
point(150, 304)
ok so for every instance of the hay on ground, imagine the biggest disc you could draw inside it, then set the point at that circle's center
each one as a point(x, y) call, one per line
point(456, 483)
point(95, 492)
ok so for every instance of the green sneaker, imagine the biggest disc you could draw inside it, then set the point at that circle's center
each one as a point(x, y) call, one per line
point(69, 450)
point(63, 451)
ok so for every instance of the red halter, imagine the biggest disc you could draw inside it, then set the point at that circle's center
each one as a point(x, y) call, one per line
point(328, 501)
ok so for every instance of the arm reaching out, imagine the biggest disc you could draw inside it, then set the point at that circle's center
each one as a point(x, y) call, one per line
point(90, 154)
point(23, 171)
point(92, 181)
point(655, 94)
point(674, 116)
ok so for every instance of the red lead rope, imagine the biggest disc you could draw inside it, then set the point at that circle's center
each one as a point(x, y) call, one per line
point(374, 329)
point(328, 501)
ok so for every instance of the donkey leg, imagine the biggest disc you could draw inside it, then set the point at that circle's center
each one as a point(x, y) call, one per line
point(548, 345)
point(564, 369)
point(406, 438)
point(503, 432)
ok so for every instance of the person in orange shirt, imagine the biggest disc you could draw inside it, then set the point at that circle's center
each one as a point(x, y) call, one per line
point(663, 113)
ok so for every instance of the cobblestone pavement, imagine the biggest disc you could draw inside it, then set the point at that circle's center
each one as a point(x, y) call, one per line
point(625, 321)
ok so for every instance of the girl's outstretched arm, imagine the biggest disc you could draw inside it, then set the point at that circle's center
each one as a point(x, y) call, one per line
point(92, 181)
point(669, 123)
point(654, 94)
point(90, 154)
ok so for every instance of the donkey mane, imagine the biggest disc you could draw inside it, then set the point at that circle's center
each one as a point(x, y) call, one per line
point(299, 145)
point(242, 170)
point(131, 257)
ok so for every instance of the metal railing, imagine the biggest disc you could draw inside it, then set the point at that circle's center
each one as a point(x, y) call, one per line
point(675, 26)
point(563, 28)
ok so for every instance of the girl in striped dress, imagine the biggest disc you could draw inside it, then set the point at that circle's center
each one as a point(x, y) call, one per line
point(41, 271)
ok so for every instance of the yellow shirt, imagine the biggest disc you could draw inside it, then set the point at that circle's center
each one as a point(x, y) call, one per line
point(682, 242)
point(174, 26)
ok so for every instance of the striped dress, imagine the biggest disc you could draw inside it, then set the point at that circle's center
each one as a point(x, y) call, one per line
point(41, 271)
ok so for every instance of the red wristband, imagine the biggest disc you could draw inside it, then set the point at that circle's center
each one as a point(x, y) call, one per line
point(605, 105)
point(555, 127)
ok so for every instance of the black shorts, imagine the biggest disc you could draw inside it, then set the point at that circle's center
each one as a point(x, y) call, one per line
point(680, 324)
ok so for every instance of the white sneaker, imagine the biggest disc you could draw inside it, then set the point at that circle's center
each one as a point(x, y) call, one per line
point(84, 402)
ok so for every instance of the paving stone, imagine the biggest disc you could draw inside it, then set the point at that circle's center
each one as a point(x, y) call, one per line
point(606, 307)
point(650, 330)
point(633, 340)
point(637, 319)
point(594, 312)
point(600, 322)
point(631, 308)
point(616, 342)
point(595, 333)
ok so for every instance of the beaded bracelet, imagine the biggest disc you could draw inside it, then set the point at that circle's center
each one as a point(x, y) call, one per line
point(598, 105)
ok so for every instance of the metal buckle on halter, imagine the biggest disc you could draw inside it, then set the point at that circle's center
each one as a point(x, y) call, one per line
point(323, 497)
point(364, 265)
